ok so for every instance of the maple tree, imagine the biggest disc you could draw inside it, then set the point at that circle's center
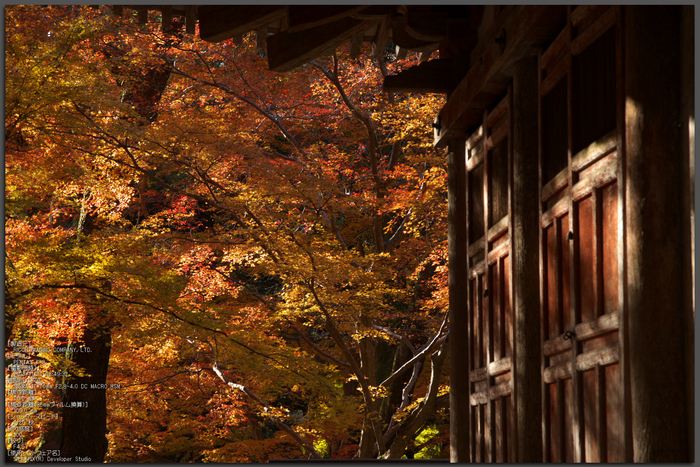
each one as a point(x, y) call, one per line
point(261, 257)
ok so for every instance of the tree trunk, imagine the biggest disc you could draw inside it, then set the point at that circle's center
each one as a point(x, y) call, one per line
point(84, 427)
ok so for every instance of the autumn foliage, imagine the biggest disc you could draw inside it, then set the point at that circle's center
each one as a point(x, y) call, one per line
point(264, 253)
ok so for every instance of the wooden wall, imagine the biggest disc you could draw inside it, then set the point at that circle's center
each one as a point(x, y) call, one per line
point(595, 318)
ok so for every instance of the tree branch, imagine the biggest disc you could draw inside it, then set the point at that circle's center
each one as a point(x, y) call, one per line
point(266, 408)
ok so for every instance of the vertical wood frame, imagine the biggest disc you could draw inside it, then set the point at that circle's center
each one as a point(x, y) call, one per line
point(490, 290)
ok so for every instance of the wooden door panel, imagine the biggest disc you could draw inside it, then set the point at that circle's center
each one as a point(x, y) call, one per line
point(613, 413)
point(590, 419)
point(611, 241)
point(587, 258)
point(553, 316)
point(564, 264)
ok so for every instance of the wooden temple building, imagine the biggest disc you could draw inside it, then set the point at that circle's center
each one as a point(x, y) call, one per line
point(570, 134)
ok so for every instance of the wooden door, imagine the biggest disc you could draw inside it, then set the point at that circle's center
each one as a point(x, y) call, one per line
point(491, 324)
point(580, 249)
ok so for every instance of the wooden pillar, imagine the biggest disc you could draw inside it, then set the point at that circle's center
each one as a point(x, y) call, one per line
point(654, 248)
point(525, 250)
point(459, 318)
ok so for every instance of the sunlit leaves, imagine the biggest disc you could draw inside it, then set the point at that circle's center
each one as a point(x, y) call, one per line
point(217, 231)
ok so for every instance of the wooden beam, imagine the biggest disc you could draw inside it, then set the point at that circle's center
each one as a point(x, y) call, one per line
point(288, 50)
point(221, 22)
point(356, 46)
point(190, 18)
point(303, 17)
point(435, 76)
point(525, 28)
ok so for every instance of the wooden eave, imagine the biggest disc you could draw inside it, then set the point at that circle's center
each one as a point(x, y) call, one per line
point(288, 50)
point(525, 28)
point(296, 34)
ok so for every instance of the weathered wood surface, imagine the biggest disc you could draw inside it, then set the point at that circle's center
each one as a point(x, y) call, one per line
point(498, 229)
point(594, 151)
point(555, 185)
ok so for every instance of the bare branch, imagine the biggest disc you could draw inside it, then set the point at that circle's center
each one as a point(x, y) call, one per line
point(266, 408)
point(427, 349)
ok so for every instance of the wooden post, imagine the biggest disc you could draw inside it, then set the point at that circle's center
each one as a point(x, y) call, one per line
point(190, 18)
point(459, 317)
point(655, 253)
point(525, 263)
point(167, 17)
point(143, 16)
point(688, 148)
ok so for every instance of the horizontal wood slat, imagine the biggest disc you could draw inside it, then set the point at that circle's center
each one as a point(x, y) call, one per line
point(594, 151)
point(478, 375)
point(500, 366)
point(606, 323)
point(598, 177)
point(556, 345)
point(601, 356)
point(498, 229)
point(475, 160)
point(560, 371)
point(500, 390)
point(554, 185)
point(498, 252)
point(497, 136)
point(558, 210)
